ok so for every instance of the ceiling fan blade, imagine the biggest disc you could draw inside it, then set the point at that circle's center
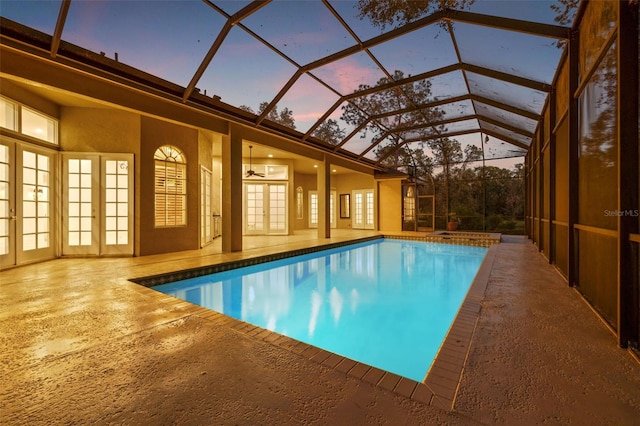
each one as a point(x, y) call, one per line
point(250, 172)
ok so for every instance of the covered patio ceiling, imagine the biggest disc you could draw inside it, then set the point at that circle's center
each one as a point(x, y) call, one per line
point(480, 75)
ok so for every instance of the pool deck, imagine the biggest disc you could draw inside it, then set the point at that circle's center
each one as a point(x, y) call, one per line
point(83, 344)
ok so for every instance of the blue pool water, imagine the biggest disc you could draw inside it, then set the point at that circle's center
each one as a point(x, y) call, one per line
point(387, 303)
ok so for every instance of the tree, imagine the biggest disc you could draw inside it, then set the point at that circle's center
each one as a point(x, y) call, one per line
point(387, 125)
point(329, 131)
point(383, 13)
point(389, 12)
point(514, 200)
point(448, 153)
point(284, 117)
point(565, 11)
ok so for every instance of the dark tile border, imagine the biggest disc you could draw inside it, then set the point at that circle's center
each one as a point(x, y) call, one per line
point(480, 239)
point(153, 280)
point(442, 381)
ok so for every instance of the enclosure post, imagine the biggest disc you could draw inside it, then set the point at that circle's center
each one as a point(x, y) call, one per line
point(627, 44)
point(573, 157)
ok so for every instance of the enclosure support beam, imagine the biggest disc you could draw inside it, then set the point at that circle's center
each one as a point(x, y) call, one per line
point(551, 197)
point(574, 53)
point(628, 293)
point(541, 195)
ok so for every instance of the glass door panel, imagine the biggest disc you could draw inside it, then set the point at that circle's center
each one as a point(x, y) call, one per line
point(34, 212)
point(26, 203)
point(358, 210)
point(313, 209)
point(277, 208)
point(206, 219)
point(369, 208)
point(7, 206)
point(116, 235)
point(80, 221)
point(332, 210)
point(254, 208)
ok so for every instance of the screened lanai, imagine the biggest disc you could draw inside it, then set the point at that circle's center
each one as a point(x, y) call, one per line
point(359, 86)
point(547, 89)
point(440, 91)
point(507, 116)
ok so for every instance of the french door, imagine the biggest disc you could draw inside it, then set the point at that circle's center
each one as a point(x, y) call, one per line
point(206, 218)
point(265, 208)
point(363, 209)
point(97, 213)
point(26, 203)
point(313, 209)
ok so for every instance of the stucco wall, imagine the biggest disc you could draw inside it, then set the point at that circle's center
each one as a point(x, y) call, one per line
point(99, 130)
point(155, 133)
point(390, 205)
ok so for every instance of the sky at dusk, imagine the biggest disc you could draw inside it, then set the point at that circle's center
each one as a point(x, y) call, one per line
point(169, 39)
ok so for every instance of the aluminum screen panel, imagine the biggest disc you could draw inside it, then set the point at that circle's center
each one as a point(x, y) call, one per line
point(327, 70)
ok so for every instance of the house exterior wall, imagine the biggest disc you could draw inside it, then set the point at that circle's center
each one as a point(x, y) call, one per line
point(155, 133)
point(390, 205)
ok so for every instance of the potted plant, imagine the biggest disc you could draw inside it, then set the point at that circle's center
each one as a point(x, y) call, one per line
point(452, 224)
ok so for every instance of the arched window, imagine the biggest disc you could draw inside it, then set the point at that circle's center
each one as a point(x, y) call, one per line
point(299, 203)
point(170, 186)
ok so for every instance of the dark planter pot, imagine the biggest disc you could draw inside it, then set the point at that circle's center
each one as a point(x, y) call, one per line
point(452, 226)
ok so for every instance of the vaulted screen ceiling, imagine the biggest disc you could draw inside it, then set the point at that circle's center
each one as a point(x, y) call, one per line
point(365, 90)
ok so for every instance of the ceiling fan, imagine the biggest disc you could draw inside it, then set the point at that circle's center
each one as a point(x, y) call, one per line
point(251, 172)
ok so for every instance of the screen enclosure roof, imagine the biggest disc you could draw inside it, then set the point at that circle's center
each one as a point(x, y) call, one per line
point(479, 72)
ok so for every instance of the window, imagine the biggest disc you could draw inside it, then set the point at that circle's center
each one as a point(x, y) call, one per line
point(27, 121)
point(8, 114)
point(37, 125)
point(170, 186)
point(299, 203)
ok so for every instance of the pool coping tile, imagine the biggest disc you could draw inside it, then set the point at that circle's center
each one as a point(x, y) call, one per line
point(389, 381)
point(345, 365)
point(359, 370)
point(444, 376)
point(441, 383)
point(374, 375)
point(405, 387)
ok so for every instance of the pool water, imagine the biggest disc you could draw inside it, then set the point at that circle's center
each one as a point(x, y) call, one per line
point(387, 303)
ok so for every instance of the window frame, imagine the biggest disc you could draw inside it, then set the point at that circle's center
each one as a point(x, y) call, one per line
point(172, 161)
point(18, 124)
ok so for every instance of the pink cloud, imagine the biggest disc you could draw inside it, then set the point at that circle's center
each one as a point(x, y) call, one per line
point(346, 75)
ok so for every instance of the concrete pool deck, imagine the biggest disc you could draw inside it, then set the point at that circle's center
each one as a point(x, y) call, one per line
point(82, 344)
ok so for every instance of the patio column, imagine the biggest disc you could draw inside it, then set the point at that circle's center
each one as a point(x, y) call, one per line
point(232, 190)
point(323, 176)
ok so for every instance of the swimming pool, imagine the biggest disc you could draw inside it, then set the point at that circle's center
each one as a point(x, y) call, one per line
point(387, 303)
